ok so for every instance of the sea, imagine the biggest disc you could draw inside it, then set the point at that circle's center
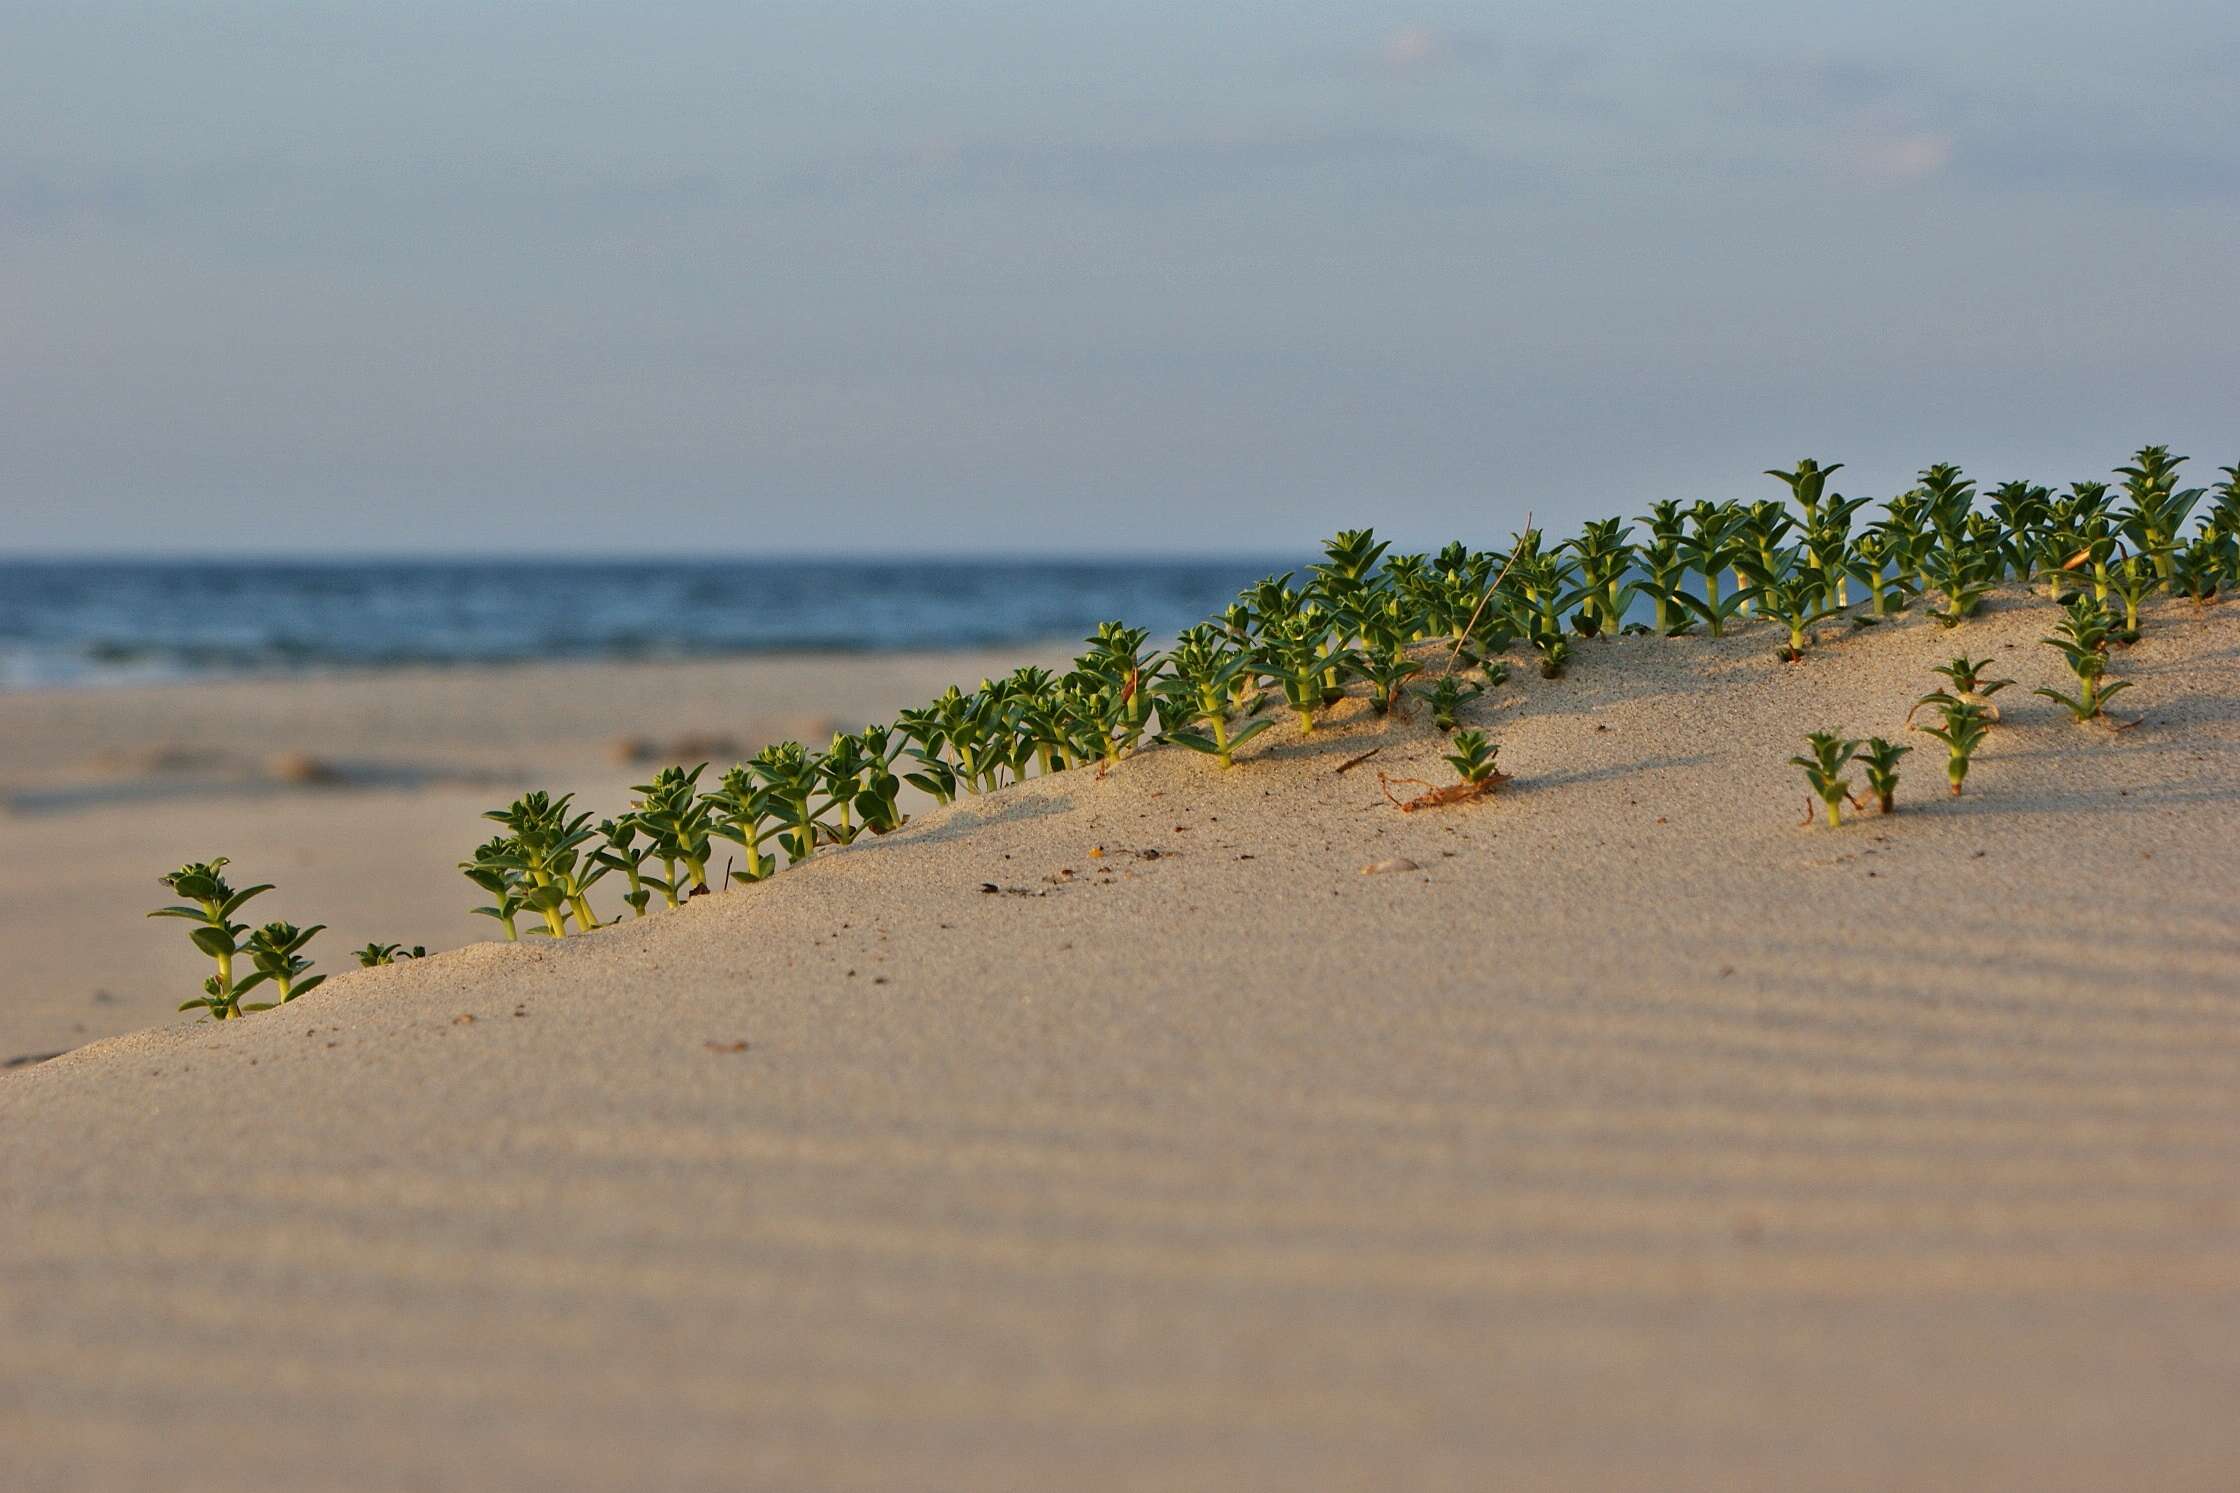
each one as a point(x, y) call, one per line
point(87, 623)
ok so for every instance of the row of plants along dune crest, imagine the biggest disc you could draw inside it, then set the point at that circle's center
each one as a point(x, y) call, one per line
point(1362, 618)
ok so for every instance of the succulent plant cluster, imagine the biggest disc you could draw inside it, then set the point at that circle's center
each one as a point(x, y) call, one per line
point(1966, 714)
point(275, 950)
point(1433, 628)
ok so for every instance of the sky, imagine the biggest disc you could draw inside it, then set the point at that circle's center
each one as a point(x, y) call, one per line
point(1164, 276)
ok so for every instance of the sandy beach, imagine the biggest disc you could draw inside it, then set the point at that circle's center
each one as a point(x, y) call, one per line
point(1118, 1132)
point(356, 793)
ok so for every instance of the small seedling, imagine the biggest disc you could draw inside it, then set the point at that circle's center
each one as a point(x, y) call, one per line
point(676, 822)
point(741, 807)
point(1880, 758)
point(2132, 582)
point(1824, 771)
point(276, 950)
point(789, 779)
point(546, 848)
point(1297, 654)
point(1449, 695)
point(1202, 693)
point(1965, 572)
point(2083, 642)
point(1967, 686)
point(1473, 762)
point(876, 800)
point(1555, 653)
point(2159, 509)
point(386, 953)
point(1384, 662)
point(843, 766)
point(1714, 545)
point(622, 851)
point(1795, 599)
point(1606, 558)
point(921, 730)
point(496, 868)
point(1962, 732)
point(215, 933)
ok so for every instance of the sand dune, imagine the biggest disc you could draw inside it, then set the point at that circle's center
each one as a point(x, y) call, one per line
point(1639, 1138)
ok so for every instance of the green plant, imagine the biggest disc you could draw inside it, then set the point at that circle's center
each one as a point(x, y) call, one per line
point(622, 851)
point(545, 846)
point(791, 782)
point(1829, 549)
point(1823, 770)
point(1795, 599)
point(877, 799)
point(2197, 569)
point(1962, 732)
point(977, 730)
point(1663, 572)
point(2158, 508)
point(1605, 560)
point(1966, 686)
point(1965, 571)
point(1880, 758)
point(741, 806)
point(2083, 641)
point(676, 822)
point(1198, 706)
point(2019, 515)
point(1294, 653)
point(1476, 775)
point(374, 954)
point(1879, 565)
point(1806, 484)
point(843, 767)
point(1473, 758)
point(1449, 695)
point(276, 950)
point(1555, 653)
point(215, 933)
point(2132, 583)
point(1715, 543)
point(496, 868)
point(1123, 672)
point(1383, 661)
point(921, 731)
point(1765, 528)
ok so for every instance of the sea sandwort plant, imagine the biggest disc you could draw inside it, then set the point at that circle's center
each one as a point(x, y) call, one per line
point(676, 822)
point(2082, 638)
point(1823, 771)
point(496, 868)
point(1198, 708)
point(1963, 731)
point(276, 950)
point(1448, 695)
point(214, 902)
point(1880, 758)
point(374, 955)
point(1964, 685)
point(545, 847)
point(1473, 760)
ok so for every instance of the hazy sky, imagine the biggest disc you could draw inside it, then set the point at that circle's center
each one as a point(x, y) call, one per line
point(1163, 275)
